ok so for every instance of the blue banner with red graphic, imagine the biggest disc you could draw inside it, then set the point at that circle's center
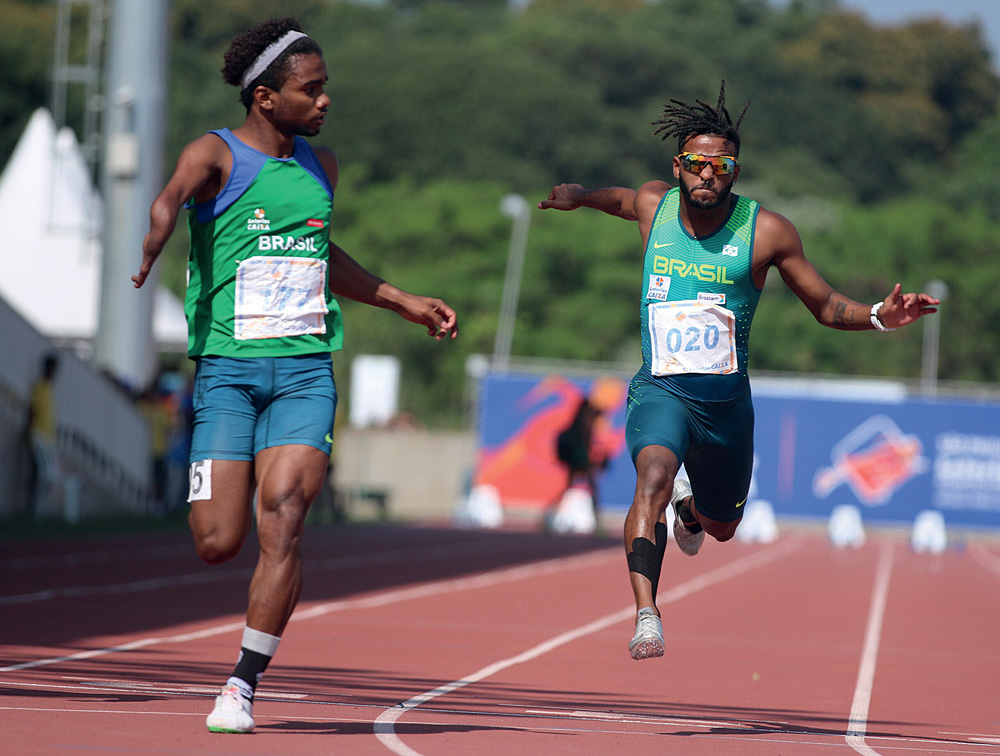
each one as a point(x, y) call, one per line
point(891, 459)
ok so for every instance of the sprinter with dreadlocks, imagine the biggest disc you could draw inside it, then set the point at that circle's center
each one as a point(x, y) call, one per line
point(707, 253)
point(263, 321)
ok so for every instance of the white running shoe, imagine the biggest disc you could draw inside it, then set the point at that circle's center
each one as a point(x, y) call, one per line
point(232, 712)
point(648, 640)
point(688, 542)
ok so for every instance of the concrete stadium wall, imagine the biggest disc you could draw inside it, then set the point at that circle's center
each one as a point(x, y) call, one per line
point(424, 473)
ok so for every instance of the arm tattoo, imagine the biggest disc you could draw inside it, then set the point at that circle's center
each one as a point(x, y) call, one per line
point(842, 315)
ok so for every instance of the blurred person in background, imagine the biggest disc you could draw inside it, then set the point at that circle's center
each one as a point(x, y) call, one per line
point(581, 458)
point(156, 405)
point(40, 440)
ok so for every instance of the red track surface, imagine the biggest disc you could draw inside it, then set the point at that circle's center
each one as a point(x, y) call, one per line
point(434, 641)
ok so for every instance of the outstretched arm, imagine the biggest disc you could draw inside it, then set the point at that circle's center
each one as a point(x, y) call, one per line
point(199, 163)
point(613, 200)
point(831, 308)
point(349, 279)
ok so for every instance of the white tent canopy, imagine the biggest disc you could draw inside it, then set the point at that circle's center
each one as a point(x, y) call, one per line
point(51, 215)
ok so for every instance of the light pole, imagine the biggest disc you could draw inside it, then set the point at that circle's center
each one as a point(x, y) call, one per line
point(515, 207)
point(932, 332)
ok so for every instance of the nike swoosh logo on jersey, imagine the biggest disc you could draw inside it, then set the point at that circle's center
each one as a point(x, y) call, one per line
point(661, 246)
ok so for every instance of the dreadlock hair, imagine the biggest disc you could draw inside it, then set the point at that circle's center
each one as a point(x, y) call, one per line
point(685, 121)
point(246, 48)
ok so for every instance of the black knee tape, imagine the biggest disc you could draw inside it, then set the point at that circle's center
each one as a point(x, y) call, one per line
point(646, 558)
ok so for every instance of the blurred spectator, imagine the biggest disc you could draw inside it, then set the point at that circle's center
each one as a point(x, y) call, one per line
point(156, 405)
point(178, 450)
point(576, 450)
point(40, 438)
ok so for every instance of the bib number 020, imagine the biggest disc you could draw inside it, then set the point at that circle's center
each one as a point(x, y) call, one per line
point(692, 337)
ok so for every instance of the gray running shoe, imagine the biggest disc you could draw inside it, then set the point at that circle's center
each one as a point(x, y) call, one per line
point(687, 541)
point(648, 640)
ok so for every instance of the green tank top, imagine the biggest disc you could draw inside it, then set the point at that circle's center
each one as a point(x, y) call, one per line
point(698, 301)
point(258, 280)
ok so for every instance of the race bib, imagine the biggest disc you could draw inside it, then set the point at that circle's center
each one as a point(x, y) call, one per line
point(280, 296)
point(200, 480)
point(692, 337)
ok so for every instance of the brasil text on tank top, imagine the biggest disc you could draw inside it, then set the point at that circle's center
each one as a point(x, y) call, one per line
point(257, 270)
point(698, 301)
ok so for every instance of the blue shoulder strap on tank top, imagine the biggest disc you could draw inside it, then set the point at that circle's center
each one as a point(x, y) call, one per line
point(247, 164)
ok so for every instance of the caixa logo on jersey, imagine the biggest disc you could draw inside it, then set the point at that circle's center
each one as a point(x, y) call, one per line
point(258, 221)
point(875, 460)
point(269, 243)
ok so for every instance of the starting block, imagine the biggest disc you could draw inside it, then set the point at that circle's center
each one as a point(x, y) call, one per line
point(845, 527)
point(929, 534)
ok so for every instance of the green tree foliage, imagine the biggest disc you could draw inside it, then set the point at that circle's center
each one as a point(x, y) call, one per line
point(26, 85)
point(882, 144)
point(927, 83)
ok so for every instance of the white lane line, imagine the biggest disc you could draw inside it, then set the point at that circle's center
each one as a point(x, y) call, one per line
point(858, 724)
point(987, 559)
point(230, 627)
point(451, 585)
point(328, 564)
point(136, 586)
point(142, 687)
point(385, 723)
point(100, 556)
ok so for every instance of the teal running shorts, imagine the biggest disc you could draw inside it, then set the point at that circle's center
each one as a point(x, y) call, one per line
point(245, 405)
point(712, 439)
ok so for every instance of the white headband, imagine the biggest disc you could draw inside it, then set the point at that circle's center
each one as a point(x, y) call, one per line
point(266, 58)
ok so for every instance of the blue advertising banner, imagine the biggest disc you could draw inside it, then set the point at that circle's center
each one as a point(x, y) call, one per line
point(892, 459)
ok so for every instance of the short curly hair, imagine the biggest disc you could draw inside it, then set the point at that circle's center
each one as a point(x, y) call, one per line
point(248, 46)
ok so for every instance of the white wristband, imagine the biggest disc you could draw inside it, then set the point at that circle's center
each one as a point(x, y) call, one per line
point(875, 321)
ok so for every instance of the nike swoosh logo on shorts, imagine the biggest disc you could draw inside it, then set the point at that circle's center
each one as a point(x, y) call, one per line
point(741, 503)
point(329, 438)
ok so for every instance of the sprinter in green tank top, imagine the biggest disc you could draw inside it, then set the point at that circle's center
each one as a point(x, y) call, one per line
point(262, 322)
point(707, 253)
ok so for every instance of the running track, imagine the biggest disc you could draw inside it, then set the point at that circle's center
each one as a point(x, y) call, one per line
point(434, 641)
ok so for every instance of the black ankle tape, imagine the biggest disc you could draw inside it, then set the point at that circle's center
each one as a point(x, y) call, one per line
point(250, 667)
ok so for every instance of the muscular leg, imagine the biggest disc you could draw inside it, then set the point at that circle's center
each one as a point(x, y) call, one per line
point(656, 468)
point(289, 478)
point(720, 531)
point(220, 524)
